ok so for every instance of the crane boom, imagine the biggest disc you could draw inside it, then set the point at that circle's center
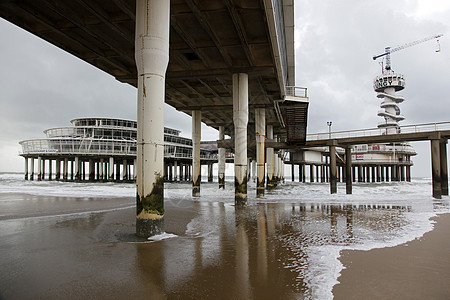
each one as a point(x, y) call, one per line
point(389, 50)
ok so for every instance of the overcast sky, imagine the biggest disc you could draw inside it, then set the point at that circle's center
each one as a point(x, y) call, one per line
point(41, 86)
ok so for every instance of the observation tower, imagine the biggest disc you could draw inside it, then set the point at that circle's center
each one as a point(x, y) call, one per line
point(386, 87)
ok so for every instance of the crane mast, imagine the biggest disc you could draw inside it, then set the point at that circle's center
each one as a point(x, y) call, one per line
point(389, 50)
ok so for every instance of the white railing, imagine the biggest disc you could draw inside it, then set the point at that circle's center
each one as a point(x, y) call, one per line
point(428, 127)
point(296, 91)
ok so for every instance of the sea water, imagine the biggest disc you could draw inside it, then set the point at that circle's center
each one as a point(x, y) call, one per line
point(311, 225)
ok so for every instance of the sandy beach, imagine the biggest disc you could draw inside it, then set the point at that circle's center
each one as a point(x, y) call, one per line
point(81, 243)
point(419, 269)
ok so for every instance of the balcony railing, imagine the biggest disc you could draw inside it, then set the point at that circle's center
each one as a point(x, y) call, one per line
point(428, 127)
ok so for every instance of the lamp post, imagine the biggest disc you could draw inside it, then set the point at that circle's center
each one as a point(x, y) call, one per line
point(329, 129)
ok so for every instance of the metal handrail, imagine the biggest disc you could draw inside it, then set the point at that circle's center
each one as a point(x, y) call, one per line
point(416, 128)
point(297, 91)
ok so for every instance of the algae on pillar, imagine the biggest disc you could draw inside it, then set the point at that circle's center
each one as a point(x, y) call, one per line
point(152, 58)
point(240, 118)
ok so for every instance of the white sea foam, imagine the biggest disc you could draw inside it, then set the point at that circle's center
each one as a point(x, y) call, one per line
point(406, 207)
point(162, 236)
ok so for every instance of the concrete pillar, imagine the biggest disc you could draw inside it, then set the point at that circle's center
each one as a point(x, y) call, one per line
point(43, 169)
point(374, 177)
point(31, 168)
point(91, 170)
point(175, 171)
point(100, 169)
point(444, 167)
point(260, 129)
point(333, 179)
point(170, 166)
point(111, 169)
point(270, 160)
point(348, 170)
point(300, 173)
point(39, 177)
point(378, 173)
point(408, 173)
point(134, 170)
point(125, 170)
point(65, 169)
point(50, 169)
point(240, 119)
point(77, 169)
point(360, 175)
point(58, 169)
point(275, 170)
point(311, 173)
point(436, 168)
point(210, 172)
point(152, 58)
point(382, 177)
point(221, 167)
point(196, 137)
point(387, 173)
point(303, 173)
point(26, 168)
point(118, 171)
point(367, 174)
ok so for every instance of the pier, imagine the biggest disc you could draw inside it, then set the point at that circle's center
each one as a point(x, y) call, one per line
point(231, 67)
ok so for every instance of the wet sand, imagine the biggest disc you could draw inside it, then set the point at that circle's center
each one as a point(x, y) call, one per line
point(419, 269)
point(72, 248)
point(94, 254)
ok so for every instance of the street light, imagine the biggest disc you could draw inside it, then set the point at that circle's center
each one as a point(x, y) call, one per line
point(329, 129)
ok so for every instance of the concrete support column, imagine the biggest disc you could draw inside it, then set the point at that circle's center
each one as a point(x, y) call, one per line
point(39, 177)
point(436, 168)
point(275, 170)
point(31, 168)
point(152, 58)
point(134, 170)
point(260, 128)
point(333, 179)
point(125, 170)
point(348, 170)
point(111, 169)
point(91, 170)
point(26, 168)
point(378, 173)
point(221, 167)
point(65, 169)
point(50, 169)
point(240, 119)
point(77, 169)
point(382, 177)
point(210, 172)
point(58, 169)
point(311, 173)
point(444, 168)
point(100, 169)
point(374, 177)
point(175, 171)
point(43, 169)
point(270, 159)
point(196, 166)
point(118, 171)
point(387, 174)
point(408, 174)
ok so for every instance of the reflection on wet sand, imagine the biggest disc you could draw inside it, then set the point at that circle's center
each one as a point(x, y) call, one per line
point(223, 252)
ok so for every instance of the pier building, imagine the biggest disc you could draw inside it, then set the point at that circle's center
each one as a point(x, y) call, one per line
point(104, 149)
